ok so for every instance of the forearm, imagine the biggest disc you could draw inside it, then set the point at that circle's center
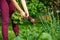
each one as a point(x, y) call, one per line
point(24, 6)
point(16, 5)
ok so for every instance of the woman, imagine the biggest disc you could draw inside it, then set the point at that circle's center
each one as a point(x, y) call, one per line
point(7, 8)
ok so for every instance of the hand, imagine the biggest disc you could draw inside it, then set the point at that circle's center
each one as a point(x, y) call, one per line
point(22, 14)
point(27, 14)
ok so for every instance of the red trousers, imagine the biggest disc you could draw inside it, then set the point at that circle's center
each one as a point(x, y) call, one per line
point(7, 9)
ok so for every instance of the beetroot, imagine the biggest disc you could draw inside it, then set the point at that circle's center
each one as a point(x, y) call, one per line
point(31, 20)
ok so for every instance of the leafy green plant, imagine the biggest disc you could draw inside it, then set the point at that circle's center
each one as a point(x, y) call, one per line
point(45, 36)
point(16, 18)
point(18, 38)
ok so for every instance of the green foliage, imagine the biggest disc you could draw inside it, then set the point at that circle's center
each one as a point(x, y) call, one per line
point(36, 8)
point(42, 31)
point(47, 2)
point(45, 30)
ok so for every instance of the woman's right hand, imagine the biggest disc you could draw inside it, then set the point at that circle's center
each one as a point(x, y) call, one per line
point(22, 13)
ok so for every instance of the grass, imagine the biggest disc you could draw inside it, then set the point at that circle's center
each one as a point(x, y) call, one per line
point(39, 28)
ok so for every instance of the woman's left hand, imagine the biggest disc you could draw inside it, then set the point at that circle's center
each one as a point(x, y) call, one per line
point(27, 14)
